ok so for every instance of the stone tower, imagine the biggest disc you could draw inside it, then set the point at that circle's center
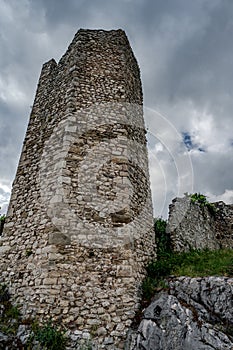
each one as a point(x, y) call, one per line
point(79, 228)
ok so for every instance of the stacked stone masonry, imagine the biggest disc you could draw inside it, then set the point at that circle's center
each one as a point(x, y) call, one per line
point(79, 228)
point(192, 226)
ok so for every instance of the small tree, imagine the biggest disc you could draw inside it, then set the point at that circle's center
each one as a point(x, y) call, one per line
point(162, 237)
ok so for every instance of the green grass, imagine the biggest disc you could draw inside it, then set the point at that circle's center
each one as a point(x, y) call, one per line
point(204, 263)
point(195, 263)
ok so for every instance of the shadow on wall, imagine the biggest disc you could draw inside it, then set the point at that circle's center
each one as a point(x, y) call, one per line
point(2, 222)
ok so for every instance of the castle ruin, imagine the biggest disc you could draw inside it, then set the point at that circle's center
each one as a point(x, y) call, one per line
point(79, 228)
point(194, 226)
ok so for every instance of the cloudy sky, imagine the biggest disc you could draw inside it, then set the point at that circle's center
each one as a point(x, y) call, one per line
point(185, 52)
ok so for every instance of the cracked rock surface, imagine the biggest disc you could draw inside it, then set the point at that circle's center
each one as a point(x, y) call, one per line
point(194, 314)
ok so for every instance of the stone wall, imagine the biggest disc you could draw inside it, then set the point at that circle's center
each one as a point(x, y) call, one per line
point(79, 228)
point(192, 226)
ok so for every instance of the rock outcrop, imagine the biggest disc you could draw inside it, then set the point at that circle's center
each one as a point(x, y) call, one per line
point(193, 314)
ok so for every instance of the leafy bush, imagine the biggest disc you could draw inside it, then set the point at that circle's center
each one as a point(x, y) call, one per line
point(202, 201)
point(199, 198)
point(50, 337)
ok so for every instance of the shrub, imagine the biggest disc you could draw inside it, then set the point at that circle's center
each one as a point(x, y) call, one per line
point(162, 238)
point(12, 312)
point(203, 202)
point(50, 337)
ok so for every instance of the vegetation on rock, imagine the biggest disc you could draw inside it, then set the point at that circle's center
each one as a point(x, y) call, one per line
point(2, 218)
point(49, 336)
point(10, 315)
point(201, 200)
point(195, 263)
point(162, 238)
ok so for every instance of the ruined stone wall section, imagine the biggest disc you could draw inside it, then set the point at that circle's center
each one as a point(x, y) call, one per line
point(79, 228)
point(192, 226)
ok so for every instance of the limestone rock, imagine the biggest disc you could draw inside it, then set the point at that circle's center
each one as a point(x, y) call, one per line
point(196, 313)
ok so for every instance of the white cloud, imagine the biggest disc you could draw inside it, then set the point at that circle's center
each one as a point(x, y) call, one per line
point(226, 197)
point(6, 12)
point(171, 169)
point(5, 186)
point(5, 190)
point(11, 92)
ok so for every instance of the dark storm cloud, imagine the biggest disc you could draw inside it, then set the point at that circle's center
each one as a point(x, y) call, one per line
point(202, 67)
point(79, 13)
point(11, 132)
point(57, 12)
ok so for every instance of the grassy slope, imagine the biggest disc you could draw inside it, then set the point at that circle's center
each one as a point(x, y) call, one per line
point(195, 263)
